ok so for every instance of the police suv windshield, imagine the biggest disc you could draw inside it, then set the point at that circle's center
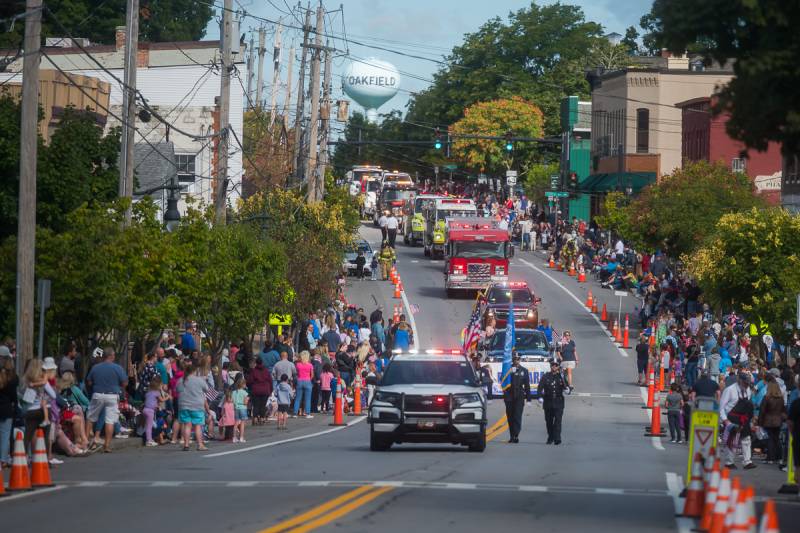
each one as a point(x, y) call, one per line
point(501, 295)
point(524, 341)
point(456, 372)
point(468, 249)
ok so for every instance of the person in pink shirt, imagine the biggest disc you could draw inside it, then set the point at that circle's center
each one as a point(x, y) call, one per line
point(326, 378)
point(305, 373)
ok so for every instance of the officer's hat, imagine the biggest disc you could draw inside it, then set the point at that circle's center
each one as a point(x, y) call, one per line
point(554, 362)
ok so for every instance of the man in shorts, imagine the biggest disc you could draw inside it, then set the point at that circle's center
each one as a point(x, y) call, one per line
point(106, 380)
point(569, 357)
point(284, 396)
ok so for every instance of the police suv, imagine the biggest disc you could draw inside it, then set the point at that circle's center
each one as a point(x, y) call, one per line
point(430, 396)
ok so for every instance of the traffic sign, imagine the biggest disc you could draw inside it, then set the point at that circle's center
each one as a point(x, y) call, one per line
point(702, 435)
point(450, 167)
point(511, 180)
point(556, 194)
point(554, 181)
point(276, 319)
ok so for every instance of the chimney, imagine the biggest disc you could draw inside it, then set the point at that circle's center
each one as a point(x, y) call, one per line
point(120, 37)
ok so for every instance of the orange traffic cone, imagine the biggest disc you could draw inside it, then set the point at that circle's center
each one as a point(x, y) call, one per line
point(625, 339)
point(769, 520)
point(652, 340)
point(693, 505)
point(338, 405)
point(733, 502)
point(357, 399)
point(661, 378)
point(40, 468)
point(20, 478)
point(712, 487)
point(589, 299)
point(397, 291)
point(581, 275)
point(571, 269)
point(604, 313)
point(651, 385)
point(743, 517)
point(400, 284)
point(2, 485)
point(618, 332)
point(552, 263)
point(655, 420)
point(594, 306)
point(717, 524)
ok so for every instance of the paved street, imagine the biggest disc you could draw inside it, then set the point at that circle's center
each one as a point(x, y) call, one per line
point(604, 477)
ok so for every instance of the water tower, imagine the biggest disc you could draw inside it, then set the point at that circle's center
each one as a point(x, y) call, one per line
point(371, 83)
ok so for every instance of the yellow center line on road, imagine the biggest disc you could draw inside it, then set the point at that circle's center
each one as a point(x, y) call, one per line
point(341, 511)
point(320, 509)
point(497, 429)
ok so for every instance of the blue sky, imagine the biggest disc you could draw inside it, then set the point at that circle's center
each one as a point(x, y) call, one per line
point(428, 28)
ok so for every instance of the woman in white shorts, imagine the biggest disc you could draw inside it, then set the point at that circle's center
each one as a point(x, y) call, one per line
point(569, 356)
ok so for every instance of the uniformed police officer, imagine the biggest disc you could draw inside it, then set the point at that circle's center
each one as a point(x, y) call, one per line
point(551, 395)
point(515, 395)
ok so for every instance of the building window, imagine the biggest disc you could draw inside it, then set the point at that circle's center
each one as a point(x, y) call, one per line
point(185, 168)
point(642, 131)
point(738, 165)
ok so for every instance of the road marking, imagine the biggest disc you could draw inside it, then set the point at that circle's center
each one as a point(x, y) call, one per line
point(313, 483)
point(415, 260)
point(622, 352)
point(330, 511)
point(239, 484)
point(502, 428)
point(286, 441)
point(318, 510)
point(532, 488)
point(648, 414)
point(28, 494)
point(167, 483)
point(674, 488)
point(605, 395)
point(619, 492)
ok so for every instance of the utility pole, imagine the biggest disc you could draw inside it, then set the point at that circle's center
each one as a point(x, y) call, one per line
point(250, 64)
point(311, 177)
point(224, 114)
point(288, 95)
point(129, 104)
point(325, 120)
point(276, 74)
point(298, 119)
point(261, 50)
point(26, 230)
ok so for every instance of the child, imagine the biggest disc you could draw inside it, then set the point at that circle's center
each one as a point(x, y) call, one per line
point(272, 408)
point(240, 401)
point(373, 266)
point(674, 404)
point(284, 394)
point(372, 381)
point(228, 418)
point(325, 387)
point(151, 399)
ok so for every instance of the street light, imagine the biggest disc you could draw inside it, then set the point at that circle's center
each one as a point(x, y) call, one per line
point(172, 217)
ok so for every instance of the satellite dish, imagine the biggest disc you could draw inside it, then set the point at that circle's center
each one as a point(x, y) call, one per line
point(371, 83)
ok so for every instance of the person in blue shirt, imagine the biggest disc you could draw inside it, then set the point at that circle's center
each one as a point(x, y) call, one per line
point(269, 355)
point(187, 340)
point(544, 326)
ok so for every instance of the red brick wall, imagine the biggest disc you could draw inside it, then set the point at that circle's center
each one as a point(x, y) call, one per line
point(723, 148)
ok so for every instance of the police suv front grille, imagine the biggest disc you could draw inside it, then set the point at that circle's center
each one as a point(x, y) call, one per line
point(424, 404)
point(518, 313)
point(479, 271)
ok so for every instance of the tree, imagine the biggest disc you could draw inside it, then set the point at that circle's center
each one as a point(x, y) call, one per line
point(232, 277)
point(762, 39)
point(539, 55)
point(616, 217)
point(609, 56)
point(78, 166)
point(97, 20)
point(679, 212)
point(495, 118)
point(268, 151)
point(537, 180)
point(631, 40)
point(751, 264)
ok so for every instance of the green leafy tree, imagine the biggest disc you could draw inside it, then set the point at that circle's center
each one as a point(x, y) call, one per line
point(751, 263)
point(496, 118)
point(679, 212)
point(763, 40)
point(231, 277)
point(539, 54)
point(78, 166)
point(631, 40)
point(537, 180)
point(616, 217)
point(97, 20)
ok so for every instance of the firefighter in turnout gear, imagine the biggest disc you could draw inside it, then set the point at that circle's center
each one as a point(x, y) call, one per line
point(515, 395)
point(387, 258)
point(552, 387)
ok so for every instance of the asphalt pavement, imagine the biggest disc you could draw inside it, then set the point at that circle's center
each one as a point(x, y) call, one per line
point(606, 476)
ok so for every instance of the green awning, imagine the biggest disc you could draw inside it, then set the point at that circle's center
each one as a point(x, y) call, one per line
point(618, 180)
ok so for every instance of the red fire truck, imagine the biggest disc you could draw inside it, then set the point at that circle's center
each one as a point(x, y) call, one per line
point(477, 253)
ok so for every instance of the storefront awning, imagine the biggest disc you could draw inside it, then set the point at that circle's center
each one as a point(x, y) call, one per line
point(618, 181)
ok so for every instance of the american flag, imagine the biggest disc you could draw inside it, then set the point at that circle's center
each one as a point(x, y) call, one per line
point(472, 333)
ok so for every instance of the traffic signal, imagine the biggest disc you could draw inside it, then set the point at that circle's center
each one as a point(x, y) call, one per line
point(509, 142)
point(437, 143)
point(573, 181)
